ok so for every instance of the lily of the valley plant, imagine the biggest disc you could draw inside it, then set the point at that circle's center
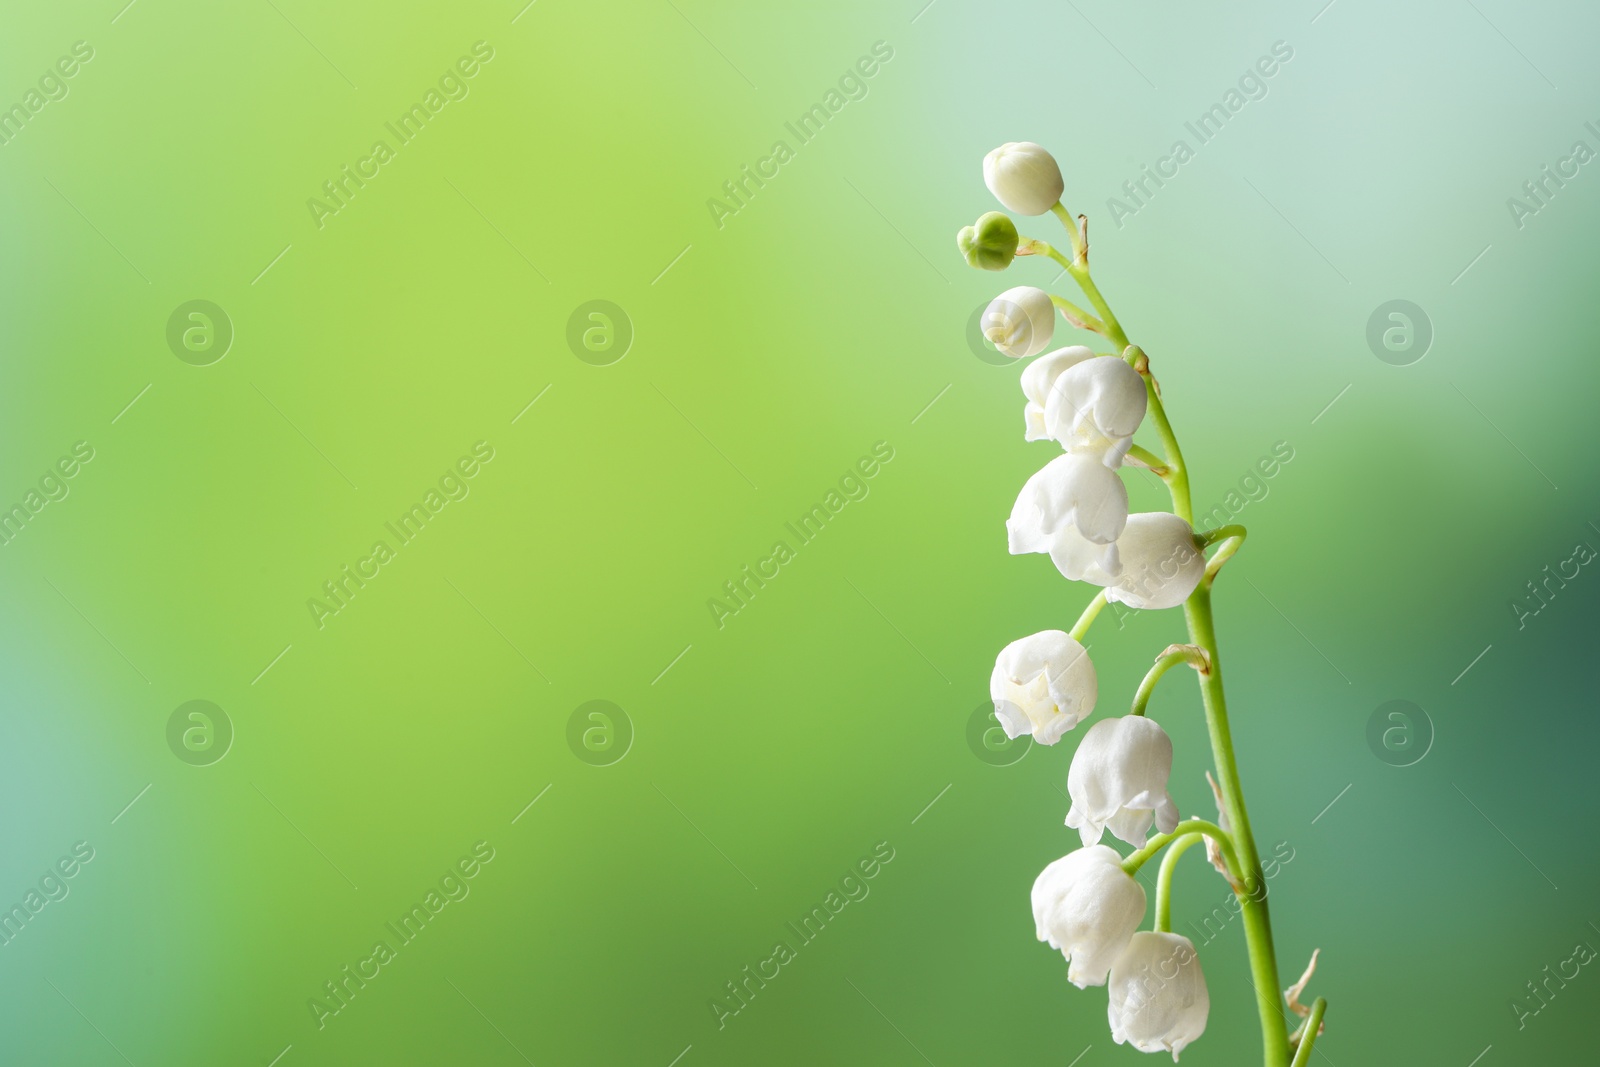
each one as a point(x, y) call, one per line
point(1075, 510)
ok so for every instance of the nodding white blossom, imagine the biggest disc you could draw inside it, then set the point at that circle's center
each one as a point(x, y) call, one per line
point(1023, 177)
point(1020, 321)
point(1075, 506)
point(1043, 684)
point(1158, 563)
point(1158, 999)
point(1088, 907)
point(1038, 378)
point(1095, 406)
point(1080, 559)
point(1118, 781)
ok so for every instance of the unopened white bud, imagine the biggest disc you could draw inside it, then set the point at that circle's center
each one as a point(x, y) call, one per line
point(1023, 177)
point(1019, 321)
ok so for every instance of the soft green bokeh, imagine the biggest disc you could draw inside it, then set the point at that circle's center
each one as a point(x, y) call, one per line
point(781, 346)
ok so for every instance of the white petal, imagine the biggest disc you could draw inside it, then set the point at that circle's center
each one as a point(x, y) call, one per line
point(1037, 378)
point(1033, 423)
point(1167, 814)
point(1079, 559)
point(1118, 778)
point(1160, 564)
point(1012, 721)
point(1156, 997)
point(1095, 406)
point(1045, 684)
point(1089, 830)
point(1088, 907)
point(1071, 491)
point(1131, 825)
point(1041, 374)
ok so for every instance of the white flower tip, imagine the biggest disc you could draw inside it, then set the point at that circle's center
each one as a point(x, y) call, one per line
point(1076, 976)
point(1089, 832)
point(1012, 721)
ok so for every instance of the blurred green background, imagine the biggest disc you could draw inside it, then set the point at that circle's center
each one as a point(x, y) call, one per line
point(761, 359)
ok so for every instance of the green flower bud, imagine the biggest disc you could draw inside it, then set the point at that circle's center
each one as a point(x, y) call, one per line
point(991, 244)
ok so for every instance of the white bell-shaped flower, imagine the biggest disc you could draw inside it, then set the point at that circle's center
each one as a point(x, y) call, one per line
point(1157, 994)
point(1095, 406)
point(1020, 321)
point(1023, 177)
point(1077, 502)
point(1158, 563)
point(1044, 685)
point(1080, 559)
point(1088, 907)
point(1038, 378)
point(1118, 781)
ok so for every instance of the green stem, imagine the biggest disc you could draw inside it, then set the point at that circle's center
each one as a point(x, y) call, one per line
point(1221, 533)
point(1078, 267)
point(1032, 246)
point(1174, 655)
point(1177, 478)
point(1253, 904)
point(1313, 1024)
point(1189, 826)
point(1076, 235)
point(1202, 632)
point(1092, 291)
point(1077, 316)
point(1169, 862)
point(1232, 538)
point(1157, 465)
point(1084, 620)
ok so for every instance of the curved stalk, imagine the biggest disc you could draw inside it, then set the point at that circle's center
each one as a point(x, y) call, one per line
point(1184, 829)
point(1313, 1024)
point(1193, 655)
point(1081, 627)
point(1232, 538)
point(1222, 533)
point(1169, 862)
point(1076, 235)
point(1077, 316)
point(1154, 463)
point(1078, 267)
point(1092, 291)
point(1178, 478)
point(1032, 246)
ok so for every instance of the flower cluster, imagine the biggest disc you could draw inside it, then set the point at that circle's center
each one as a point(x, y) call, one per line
point(1075, 510)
